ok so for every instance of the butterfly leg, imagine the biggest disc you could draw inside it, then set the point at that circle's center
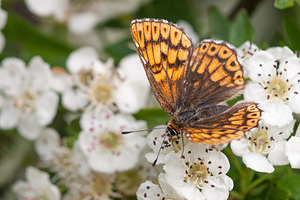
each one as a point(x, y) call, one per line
point(182, 149)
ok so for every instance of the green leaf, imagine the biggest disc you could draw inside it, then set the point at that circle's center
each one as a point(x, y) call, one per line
point(241, 30)
point(282, 4)
point(153, 116)
point(291, 184)
point(292, 31)
point(219, 24)
point(235, 100)
point(277, 193)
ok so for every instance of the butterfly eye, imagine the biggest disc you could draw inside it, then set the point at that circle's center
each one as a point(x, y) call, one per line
point(171, 131)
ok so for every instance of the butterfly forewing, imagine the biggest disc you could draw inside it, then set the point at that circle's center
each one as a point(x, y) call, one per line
point(164, 50)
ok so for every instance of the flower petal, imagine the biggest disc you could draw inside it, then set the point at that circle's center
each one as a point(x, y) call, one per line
point(257, 162)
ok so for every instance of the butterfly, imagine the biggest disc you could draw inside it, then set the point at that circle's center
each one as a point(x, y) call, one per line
point(190, 83)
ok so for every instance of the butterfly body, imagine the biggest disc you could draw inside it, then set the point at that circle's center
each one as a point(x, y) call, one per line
point(190, 83)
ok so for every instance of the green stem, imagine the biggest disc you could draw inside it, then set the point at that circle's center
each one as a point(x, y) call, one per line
point(258, 181)
point(235, 162)
point(236, 195)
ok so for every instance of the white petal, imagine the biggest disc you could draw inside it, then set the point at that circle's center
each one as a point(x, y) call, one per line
point(61, 81)
point(74, 99)
point(149, 191)
point(239, 147)
point(46, 107)
point(36, 177)
point(222, 186)
point(254, 92)
point(276, 113)
point(29, 128)
point(293, 151)
point(81, 58)
point(39, 74)
point(132, 69)
point(131, 96)
point(277, 156)
point(47, 143)
point(13, 76)
point(81, 23)
point(281, 53)
point(3, 18)
point(260, 66)
point(290, 70)
point(294, 99)
point(257, 162)
point(9, 116)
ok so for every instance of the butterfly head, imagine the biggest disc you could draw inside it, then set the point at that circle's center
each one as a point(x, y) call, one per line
point(172, 129)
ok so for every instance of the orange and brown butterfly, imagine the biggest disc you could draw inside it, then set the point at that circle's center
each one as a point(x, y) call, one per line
point(189, 82)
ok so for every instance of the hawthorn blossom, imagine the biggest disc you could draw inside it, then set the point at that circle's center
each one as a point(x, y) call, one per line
point(264, 147)
point(293, 151)
point(29, 101)
point(106, 148)
point(99, 85)
point(275, 84)
point(37, 186)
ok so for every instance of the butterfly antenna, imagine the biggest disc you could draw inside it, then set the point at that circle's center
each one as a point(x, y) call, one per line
point(128, 132)
point(161, 146)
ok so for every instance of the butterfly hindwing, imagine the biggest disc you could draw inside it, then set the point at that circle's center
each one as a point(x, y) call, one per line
point(226, 126)
point(214, 74)
point(164, 50)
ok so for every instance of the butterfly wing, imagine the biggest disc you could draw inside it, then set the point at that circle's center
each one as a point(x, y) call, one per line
point(213, 75)
point(225, 126)
point(164, 50)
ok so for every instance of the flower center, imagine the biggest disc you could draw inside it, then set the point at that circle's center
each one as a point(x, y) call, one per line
point(259, 141)
point(111, 140)
point(277, 88)
point(196, 173)
point(26, 102)
point(100, 93)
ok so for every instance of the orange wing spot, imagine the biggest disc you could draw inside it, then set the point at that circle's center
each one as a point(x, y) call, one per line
point(225, 52)
point(204, 47)
point(155, 31)
point(147, 31)
point(245, 128)
point(230, 126)
point(165, 30)
point(252, 122)
point(232, 64)
point(183, 54)
point(164, 48)
point(175, 36)
point(150, 54)
point(238, 75)
point(215, 63)
point(196, 84)
point(239, 82)
point(254, 115)
point(145, 56)
point(213, 49)
point(177, 73)
point(230, 85)
point(252, 108)
point(140, 35)
point(238, 122)
point(196, 62)
point(238, 117)
point(185, 41)
point(218, 74)
point(204, 62)
point(157, 54)
point(225, 81)
point(172, 55)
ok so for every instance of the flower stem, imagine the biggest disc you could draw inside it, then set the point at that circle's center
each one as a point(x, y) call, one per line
point(235, 161)
point(258, 181)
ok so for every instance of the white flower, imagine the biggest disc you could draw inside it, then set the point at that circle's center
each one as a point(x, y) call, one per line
point(104, 145)
point(275, 83)
point(30, 103)
point(150, 191)
point(293, 150)
point(200, 173)
point(61, 80)
point(38, 186)
point(264, 147)
point(99, 85)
